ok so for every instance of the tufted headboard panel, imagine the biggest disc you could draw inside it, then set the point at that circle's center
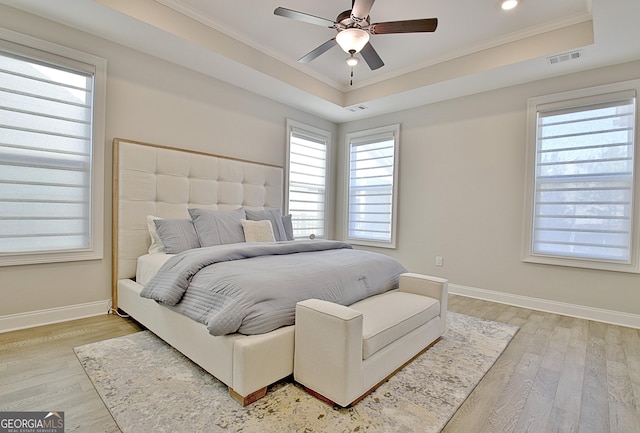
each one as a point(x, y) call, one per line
point(162, 181)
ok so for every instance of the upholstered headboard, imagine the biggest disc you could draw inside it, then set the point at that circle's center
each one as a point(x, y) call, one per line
point(162, 181)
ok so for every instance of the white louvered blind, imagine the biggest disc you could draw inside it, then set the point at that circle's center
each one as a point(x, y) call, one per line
point(45, 156)
point(584, 180)
point(372, 163)
point(307, 183)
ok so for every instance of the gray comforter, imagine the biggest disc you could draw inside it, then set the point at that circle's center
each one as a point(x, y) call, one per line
point(253, 288)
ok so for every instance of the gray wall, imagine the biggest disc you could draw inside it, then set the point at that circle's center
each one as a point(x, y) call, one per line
point(461, 196)
point(154, 101)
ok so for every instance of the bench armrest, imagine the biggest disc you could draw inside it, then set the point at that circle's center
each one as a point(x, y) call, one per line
point(328, 349)
point(425, 285)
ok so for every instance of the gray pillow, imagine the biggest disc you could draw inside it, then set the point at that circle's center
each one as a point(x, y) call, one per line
point(272, 215)
point(218, 227)
point(176, 235)
point(288, 227)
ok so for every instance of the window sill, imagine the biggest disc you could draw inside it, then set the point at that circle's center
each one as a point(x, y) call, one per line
point(582, 263)
point(365, 243)
point(40, 258)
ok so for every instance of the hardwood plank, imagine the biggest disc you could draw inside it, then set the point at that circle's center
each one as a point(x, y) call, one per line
point(561, 421)
point(622, 405)
point(594, 409)
point(505, 414)
point(631, 342)
point(565, 416)
point(536, 413)
point(622, 402)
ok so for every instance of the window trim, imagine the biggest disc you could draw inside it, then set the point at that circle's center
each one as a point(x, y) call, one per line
point(291, 126)
point(41, 50)
point(528, 256)
point(394, 130)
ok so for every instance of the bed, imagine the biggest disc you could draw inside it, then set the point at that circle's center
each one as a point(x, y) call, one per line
point(156, 182)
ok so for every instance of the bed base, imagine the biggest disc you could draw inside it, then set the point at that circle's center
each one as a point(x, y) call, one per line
point(247, 364)
point(149, 179)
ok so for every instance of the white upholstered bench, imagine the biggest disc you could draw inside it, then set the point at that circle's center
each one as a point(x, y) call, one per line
point(343, 353)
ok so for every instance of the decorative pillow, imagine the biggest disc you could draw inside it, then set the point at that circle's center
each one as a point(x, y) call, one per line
point(288, 227)
point(156, 244)
point(218, 227)
point(258, 231)
point(272, 215)
point(177, 235)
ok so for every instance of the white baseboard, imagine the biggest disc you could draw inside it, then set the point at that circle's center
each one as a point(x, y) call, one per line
point(579, 311)
point(30, 319)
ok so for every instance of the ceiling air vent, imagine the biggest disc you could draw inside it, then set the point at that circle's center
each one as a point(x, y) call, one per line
point(356, 108)
point(564, 57)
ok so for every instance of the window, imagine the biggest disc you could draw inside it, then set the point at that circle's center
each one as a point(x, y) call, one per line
point(307, 179)
point(372, 186)
point(582, 187)
point(51, 152)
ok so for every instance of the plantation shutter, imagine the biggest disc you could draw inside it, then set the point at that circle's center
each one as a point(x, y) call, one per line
point(307, 183)
point(584, 179)
point(371, 187)
point(45, 155)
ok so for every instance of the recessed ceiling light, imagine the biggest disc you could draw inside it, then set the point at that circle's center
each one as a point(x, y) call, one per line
point(509, 4)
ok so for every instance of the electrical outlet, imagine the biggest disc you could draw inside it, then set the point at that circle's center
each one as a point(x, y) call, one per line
point(439, 261)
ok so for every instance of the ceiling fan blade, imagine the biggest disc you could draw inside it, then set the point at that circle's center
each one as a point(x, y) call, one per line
point(361, 8)
point(408, 26)
point(301, 16)
point(318, 51)
point(372, 58)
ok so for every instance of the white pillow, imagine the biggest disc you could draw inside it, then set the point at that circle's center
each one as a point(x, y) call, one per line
point(258, 231)
point(273, 215)
point(156, 244)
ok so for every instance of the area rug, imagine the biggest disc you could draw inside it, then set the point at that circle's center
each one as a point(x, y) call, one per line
point(150, 387)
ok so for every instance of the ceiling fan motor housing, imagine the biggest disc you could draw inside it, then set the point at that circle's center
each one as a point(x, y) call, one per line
point(346, 20)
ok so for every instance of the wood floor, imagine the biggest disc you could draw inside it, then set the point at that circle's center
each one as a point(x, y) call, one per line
point(40, 372)
point(559, 374)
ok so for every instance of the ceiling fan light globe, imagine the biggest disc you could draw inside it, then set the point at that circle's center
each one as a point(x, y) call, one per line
point(352, 39)
point(509, 4)
point(352, 61)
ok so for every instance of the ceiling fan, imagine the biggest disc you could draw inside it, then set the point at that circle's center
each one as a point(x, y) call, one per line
point(354, 28)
